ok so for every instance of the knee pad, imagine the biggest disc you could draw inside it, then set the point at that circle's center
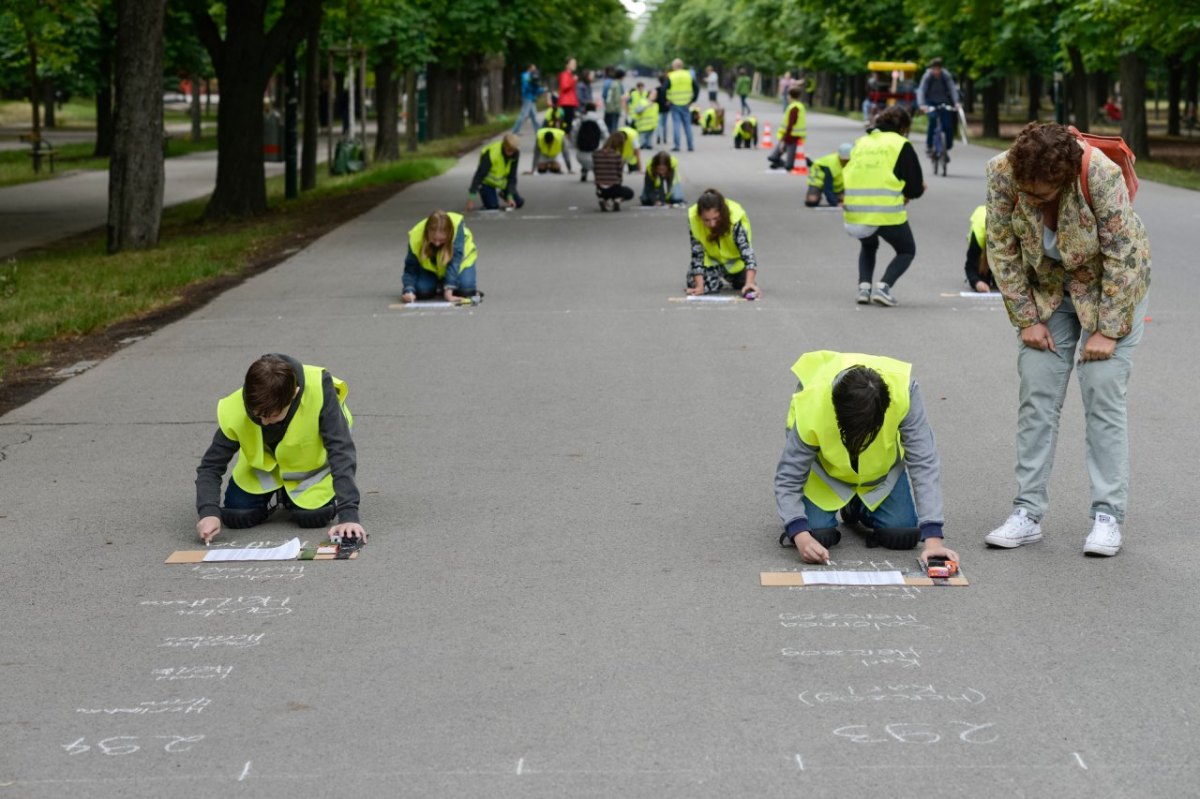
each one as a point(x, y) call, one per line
point(896, 537)
point(241, 518)
point(315, 517)
point(827, 536)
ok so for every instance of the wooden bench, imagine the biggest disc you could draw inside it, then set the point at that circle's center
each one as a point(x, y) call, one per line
point(39, 148)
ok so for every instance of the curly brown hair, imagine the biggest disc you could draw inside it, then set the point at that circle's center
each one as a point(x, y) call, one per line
point(710, 200)
point(1045, 153)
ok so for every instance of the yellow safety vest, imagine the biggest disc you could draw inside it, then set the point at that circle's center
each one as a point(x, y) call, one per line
point(739, 133)
point(979, 226)
point(709, 119)
point(680, 93)
point(800, 130)
point(832, 483)
point(827, 163)
point(416, 241)
point(647, 119)
point(874, 195)
point(555, 147)
point(497, 176)
point(723, 251)
point(299, 463)
point(657, 180)
point(629, 152)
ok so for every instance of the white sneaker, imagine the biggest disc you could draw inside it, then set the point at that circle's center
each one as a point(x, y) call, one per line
point(864, 294)
point(1017, 529)
point(1105, 537)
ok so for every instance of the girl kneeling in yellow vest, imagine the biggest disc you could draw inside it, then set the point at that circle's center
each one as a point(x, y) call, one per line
point(857, 433)
point(441, 257)
point(290, 429)
point(721, 251)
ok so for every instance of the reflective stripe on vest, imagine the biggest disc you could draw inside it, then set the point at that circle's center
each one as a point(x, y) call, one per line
point(800, 130)
point(979, 225)
point(497, 176)
point(832, 482)
point(827, 163)
point(680, 93)
point(299, 463)
point(556, 145)
point(416, 241)
point(724, 251)
point(874, 195)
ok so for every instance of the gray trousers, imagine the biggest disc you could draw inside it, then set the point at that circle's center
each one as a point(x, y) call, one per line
point(1044, 377)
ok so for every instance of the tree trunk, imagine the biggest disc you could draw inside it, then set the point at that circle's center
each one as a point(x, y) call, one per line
point(244, 61)
point(197, 130)
point(993, 95)
point(135, 172)
point(1133, 108)
point(1036, 87)
point(312, 111)
point(1079, 90)
point(104, 94)
point(1174, 94)
point(494, 64)
point(35, 92)
point(472, 79)
point(445, 101)
point(48, 102)
point(1191, 90)
point(387, 112)
point(1100, 89)
point(411, 122)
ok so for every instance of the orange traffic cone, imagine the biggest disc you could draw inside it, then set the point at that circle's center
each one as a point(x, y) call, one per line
point(800, 165)
point(766, 140)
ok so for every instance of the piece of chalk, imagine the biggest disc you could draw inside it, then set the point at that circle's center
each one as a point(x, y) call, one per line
point(1148, 319)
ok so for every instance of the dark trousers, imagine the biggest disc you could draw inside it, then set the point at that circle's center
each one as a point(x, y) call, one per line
point(614, 192)
point(900, 237)
point(813, 198)
point(491, 197)
point(243, 509)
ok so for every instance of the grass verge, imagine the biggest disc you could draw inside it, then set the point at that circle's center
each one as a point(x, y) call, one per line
point(53, 299)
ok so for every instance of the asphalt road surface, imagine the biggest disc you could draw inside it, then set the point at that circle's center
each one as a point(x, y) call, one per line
point(568, 490)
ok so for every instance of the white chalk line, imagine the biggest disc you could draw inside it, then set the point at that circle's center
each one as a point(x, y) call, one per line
point(520, 766)
point(245, 771)
point(1079, 760)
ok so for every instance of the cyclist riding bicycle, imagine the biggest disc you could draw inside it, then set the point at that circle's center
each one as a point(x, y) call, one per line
point(938, 95)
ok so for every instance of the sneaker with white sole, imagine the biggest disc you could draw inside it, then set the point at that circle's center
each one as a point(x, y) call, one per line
point(1018, 529)
point(864, 294)
point(882, 295)
point(1105, 537)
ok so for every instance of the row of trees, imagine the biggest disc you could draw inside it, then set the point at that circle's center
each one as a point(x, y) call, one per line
point(984, 42)
point(124, 52)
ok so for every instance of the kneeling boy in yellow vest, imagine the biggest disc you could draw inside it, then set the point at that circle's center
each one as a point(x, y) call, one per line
point(825, 177)
point(289, 428)
point(549, 144)
point(857, 434)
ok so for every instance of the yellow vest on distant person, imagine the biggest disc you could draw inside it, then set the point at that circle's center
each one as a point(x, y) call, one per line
point(629, 151)
point(832, 482)
point(800, 129)
point(874, 195)
point(738, 133)
point(299, 463)
point(725, 250)
point(497, 176)
point(979, 226)
point(555, 146)
point(416, 241)
point(680, 93)
point(827, 163)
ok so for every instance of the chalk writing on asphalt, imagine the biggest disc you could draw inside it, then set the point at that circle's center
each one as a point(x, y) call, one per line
point(129, 744)
point(193, 673)
point(226, 606)
point(918, 733)
point(861, 621)
point(904, 658)
point(199, 641)
point(185, 706)
point(892, 693)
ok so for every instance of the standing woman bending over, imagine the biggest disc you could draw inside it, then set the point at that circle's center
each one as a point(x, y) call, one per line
point(441, 257)
point(721, 251)
point(1073, 262)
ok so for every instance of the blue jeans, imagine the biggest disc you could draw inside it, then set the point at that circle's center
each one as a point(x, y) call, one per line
point(662, 125)
point(528, 109)
point(683, 119)
point(646, 138)
point(813, 199)
point(243, 510)
point(745, 105)
point(491, 197)
point(650, 196)
point(426, 284)
point(898, 510)
point(946, 115)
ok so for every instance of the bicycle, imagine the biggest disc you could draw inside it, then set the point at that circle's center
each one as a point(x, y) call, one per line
point(941, 151)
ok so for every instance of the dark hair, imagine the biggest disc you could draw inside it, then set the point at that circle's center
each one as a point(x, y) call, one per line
point(860, 401)
point(662, 158)
point(711, 200)
point(589, 106)
point(620, 73)
point(935, 62)
point(1045, 153)
point(795, 92)
point(548, 137)
point(270, 386)
point(894, 118)
point(615, 141)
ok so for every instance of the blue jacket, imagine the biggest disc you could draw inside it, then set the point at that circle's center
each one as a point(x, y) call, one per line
point(530, 89)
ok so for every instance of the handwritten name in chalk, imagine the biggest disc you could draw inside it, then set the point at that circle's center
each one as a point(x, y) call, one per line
point(904, 658)
point(185, 706)
point(853, 621)
point(193, 673)
point(250, 573)
point(917, 733)
point(859, 565)
point(226, 606)
point(118, 745)
point(891, 693)
point(864, 591)
point(200, 641)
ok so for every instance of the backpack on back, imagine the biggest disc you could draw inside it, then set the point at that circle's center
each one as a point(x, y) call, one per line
point(1117, 151)
point(588, 138)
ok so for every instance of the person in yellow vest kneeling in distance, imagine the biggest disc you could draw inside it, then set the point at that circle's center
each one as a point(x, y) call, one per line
point(825, 177)
point(289, 428)
point(859, 443)
point(979, 272)
point(495, 179)
point(721, 250)
point(441, 259)
point(745, 134)
point(548, 145)
point(633, 157)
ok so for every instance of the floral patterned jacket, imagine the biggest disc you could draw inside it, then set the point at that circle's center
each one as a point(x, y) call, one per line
point(1105, 252)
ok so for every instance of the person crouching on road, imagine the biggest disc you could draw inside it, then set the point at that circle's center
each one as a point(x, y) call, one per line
point(441, 259)
point(495, 179)
point(746, 134)
point(289, 428)
point(979, 273)
point(721, 250)
point(857, 433)
point(794, 130)
point(825, 177)
point(609, 162)
point(548, 145)
point(663, 184)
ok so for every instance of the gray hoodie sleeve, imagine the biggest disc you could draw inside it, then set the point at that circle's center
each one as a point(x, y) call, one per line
point(924, 468)
point(790, 477)
point(209, 473)
point(339, 448)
